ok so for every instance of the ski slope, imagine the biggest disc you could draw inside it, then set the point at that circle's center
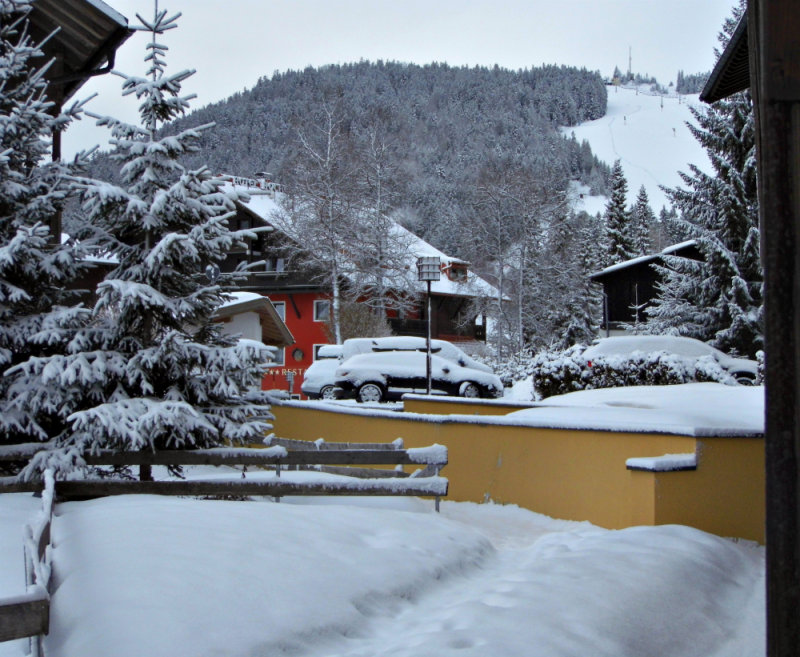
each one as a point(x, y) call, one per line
point(652, 142)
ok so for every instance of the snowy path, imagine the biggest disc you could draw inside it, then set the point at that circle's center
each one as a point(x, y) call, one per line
point(534, 595)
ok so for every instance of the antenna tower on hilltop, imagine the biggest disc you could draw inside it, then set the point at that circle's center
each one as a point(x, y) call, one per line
point(630, 69)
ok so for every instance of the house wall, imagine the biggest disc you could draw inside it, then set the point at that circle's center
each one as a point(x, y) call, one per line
point(569, 474)
point(299, 319)
point(248, 325)
point(628, 290)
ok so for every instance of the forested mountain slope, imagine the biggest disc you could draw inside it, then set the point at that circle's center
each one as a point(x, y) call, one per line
point(442, 128)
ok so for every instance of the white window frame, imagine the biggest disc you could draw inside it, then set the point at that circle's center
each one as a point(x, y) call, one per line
point(280, 307)
point(317, 303)
point(280, 358)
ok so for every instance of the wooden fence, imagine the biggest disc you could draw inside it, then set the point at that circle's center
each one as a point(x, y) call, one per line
point(28, 615)
point(309, 455)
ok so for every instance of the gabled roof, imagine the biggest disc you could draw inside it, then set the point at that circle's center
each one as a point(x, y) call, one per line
point(274, 331)
point(682, 249)
point(263, 205)
point(87, 35)
point(732, 71)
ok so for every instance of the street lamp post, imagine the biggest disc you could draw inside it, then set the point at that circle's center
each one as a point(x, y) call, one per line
point(428, 270)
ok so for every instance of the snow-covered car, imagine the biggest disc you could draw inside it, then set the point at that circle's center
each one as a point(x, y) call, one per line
point(441, 348)
point(742, 369)
point(380, 376)
point(319, 380)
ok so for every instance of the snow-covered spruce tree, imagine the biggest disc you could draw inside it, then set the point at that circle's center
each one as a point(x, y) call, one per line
point(36, 317)
point(718, 299)
point(158, 373)
point(566, 311)
point(642, 220)
point(618, 218)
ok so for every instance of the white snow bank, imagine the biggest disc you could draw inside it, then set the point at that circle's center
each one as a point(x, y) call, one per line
point(144, 575)
point(693, 409)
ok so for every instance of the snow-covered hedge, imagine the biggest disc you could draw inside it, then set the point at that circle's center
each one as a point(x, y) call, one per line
point(515, 368)
point(557, 373)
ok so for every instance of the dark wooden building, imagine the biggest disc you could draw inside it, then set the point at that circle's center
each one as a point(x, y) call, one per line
point(629, 287)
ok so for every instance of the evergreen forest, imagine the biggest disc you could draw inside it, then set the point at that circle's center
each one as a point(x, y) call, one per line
point(441, 127)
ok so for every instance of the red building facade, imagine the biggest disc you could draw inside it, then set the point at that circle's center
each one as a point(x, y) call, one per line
point(305, 315)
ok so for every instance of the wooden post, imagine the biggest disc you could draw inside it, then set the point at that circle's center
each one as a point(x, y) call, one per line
point(145, 472)
point(774, 47)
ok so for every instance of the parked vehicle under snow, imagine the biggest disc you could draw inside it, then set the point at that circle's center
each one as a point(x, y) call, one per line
point(386, 375)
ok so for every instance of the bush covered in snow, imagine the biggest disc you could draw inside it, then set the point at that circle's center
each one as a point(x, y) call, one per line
point(560, 372)
point(514, 368)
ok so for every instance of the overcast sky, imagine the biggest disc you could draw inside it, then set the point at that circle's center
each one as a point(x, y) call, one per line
point(231, 43)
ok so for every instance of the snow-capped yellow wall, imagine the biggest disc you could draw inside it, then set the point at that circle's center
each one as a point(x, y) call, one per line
point(568, 474)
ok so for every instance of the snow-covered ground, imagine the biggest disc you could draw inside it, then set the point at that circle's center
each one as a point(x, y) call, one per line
point(359, 577)
point(652, 142)
point(144, 575)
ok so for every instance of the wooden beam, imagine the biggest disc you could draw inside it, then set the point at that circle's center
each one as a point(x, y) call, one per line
point(774, 46)
point(24, 616)
point(13, 485)
point(361, 473)
point(261, 457)
point(311, 446)
point(432, 486)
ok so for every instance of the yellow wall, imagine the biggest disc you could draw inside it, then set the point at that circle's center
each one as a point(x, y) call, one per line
point(725, 494)
point(459, 406)
point(569, 474)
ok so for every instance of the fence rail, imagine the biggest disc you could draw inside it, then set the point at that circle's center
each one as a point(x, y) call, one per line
point(28, 615)
point(308, 455)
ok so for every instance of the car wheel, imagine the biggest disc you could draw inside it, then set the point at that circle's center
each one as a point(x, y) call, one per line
point(744, 378)
point(470, 390)
point(370, 392)
point(327, 392)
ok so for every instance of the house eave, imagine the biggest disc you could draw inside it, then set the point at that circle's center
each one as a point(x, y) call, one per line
point(732, 71)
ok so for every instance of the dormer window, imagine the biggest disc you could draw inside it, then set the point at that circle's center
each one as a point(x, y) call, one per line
point(456, 272)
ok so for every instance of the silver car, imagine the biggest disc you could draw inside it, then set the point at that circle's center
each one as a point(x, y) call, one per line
point(381, 376)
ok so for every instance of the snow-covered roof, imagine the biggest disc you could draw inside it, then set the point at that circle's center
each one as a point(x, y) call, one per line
point(670, 250)
point(473, 286)
point(263, 203)
point(82, 35)
point(240, 298)
point(677, 247)
point(274, 330)
point(112, 13)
